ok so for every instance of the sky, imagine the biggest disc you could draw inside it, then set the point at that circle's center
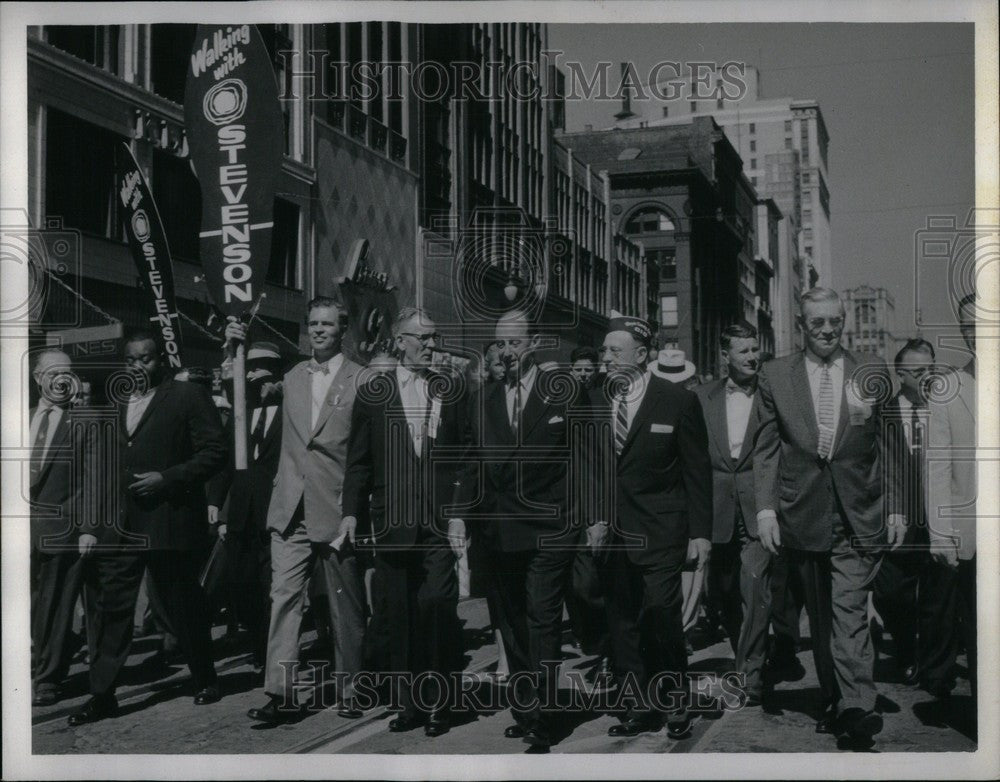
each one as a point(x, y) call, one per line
point(898, 102)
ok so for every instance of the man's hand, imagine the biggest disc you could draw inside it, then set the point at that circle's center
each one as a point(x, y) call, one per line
point(347, 528)
point(456, 536)
point(86, 544)
point(770, 534)
point(897, 527)
point(222, 532)
point(699, 549)
point(236, 330)
point(945, 553)
point(597, 537)
point(147, 483)
point(213, 514)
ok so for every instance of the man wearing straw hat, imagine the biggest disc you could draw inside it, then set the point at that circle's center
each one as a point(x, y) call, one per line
point(661, 517)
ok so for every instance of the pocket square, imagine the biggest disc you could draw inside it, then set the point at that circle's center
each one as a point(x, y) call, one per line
point(556, 419)
point(660, 428)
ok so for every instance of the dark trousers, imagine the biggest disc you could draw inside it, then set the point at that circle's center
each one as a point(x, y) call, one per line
point(965, 582)
point(787, 600)
point(55, 585)
point(585, 605)
point(916, 598)
point(531, 587)
point(645, 616)
point(740, 582)
point(249, 568)
point(112, 582)
point(836, 585)
point(421, 617)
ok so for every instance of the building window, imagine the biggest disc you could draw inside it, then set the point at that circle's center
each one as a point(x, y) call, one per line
point(753, 181)
point(753, 162)
point(694, 106)
point(788, 126)
point(805, 176)
point(96, 45)
point(648, 221)
point(284, 244)
point(753, 146)
point(664, 260)
point(170, 52)
point(720, 103)
point(753, 127)
point(666, 111)
point(788, 142)
point(668, 310)
point(81, 187)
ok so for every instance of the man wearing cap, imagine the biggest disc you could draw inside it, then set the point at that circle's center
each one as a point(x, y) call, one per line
point(242, 522)
point(661, 517)
point(740, 572)
point(829, 493)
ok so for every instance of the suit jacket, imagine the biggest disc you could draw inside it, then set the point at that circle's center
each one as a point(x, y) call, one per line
point(911, 469)
point(180, 436)
point(790, 478)
point(664, 473)
point(56, 493)
point(313, 458)
point(951, 501)
point(249, 490)
point(732, 479)
point(406, 490)
point(526, 502)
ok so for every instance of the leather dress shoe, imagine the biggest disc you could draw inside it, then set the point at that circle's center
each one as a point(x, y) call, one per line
point(403, 723)
point(828, 724)
point(679, 726)
point(860, 724)
point(911, 675)
point(46, 696)
point(514, 732)
point(349, 710)
point(94, 710)
point(437, 724)
point(633, 726)
point(537, 737)
point(273, 713)
point(754, 698)
point(207, 695)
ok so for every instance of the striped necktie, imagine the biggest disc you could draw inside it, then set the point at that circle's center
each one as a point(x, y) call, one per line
point(38, 447)
point(515, 415)
point(825, 414)
point(621, 423)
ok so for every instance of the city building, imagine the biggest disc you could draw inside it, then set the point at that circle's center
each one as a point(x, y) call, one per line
point(869, 321)
point(761, 128)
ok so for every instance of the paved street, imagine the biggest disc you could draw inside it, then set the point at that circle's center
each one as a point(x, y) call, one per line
point(160, 717)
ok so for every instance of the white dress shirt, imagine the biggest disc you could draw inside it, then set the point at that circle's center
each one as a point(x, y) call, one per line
point(413, 396)
point(36, 421)
point(739, 403)
point(526, 382)
point(321, 382)
point(814, 371)
point(906, 413)
point(633, 398)
point(137, 404)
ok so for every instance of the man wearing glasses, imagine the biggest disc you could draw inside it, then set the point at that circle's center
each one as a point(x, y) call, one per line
point(827, 493)
point(405, 452)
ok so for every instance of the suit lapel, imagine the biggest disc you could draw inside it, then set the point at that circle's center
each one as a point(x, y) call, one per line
point(748, 435)
point(850, 365)
point(642, 414)
point(496, 409)
point(158, 393)
point(535, 407)
point(336, 390)
point(59, 438)
point(799, 379)
point(718, 423)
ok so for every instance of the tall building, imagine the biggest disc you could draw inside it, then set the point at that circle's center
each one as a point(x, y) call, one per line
point(761, 128)
point(869, 321)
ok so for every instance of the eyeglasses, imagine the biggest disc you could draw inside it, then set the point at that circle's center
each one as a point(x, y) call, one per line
point(916, 372)
point(424, 338)
point(815, 324)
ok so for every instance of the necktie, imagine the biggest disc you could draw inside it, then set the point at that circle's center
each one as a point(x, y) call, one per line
point(916, 432)
point(257, 435)
point(825, 414)
point(621, 423)
point(38, 447)
point(515, 415)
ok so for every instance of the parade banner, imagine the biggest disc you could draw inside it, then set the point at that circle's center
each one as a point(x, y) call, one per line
point(150, 252)
point(235, 131)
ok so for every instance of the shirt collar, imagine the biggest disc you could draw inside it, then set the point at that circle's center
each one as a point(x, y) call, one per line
point(47, 404)
point(526, 379)
point(323, 368)
point(815, 363)
point(732, 387)
point(404, 375)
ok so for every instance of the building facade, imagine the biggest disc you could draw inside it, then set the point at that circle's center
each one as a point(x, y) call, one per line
point(869, 321)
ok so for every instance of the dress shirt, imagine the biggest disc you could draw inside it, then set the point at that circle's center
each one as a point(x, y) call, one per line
point(137, 404)
point(906, 413)
point(527, 382)
point(633, 398)
point(413, 396)
point(269, 413)
point(322, 378)
point(54, 418)
point(814, 371)
point(739, 402)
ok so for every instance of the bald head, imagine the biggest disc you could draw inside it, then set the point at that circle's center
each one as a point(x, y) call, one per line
point(516, 343)
point(53, 373)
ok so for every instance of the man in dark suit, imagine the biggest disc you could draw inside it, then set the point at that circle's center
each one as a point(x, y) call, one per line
point(57, 456)
point(528, 518)
point(660, 517)
point(169, 444)
point(824, 494)
point(243, 519)
point(739, 577)
point(408, 438)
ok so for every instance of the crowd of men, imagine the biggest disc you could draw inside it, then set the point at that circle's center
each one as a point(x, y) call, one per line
point(613, 490)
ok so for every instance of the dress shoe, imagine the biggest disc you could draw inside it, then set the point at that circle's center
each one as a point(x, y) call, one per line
point(437, 724)
point(537, 737)
point(514, 732)
point(679, 726)
point(754, 699)
point(632, 726)
point(911, 675)
point(273, 713)
point(939, 690)
point(403, 723)
point(828, 723)
point(860, 724)
point(46, 696)
point(349, 710)
point(207, 695)
point(94, 710)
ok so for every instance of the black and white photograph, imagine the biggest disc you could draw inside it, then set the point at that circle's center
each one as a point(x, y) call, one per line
point(431, 389)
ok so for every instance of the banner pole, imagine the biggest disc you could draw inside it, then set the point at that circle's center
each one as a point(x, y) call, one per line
point(240, 407)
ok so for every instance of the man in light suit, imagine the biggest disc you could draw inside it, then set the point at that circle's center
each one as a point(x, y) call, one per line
point(304, 515)
point(827, 493)
point(57, 455)
point(952, 492)
point(739, 575)
point(661, 518)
